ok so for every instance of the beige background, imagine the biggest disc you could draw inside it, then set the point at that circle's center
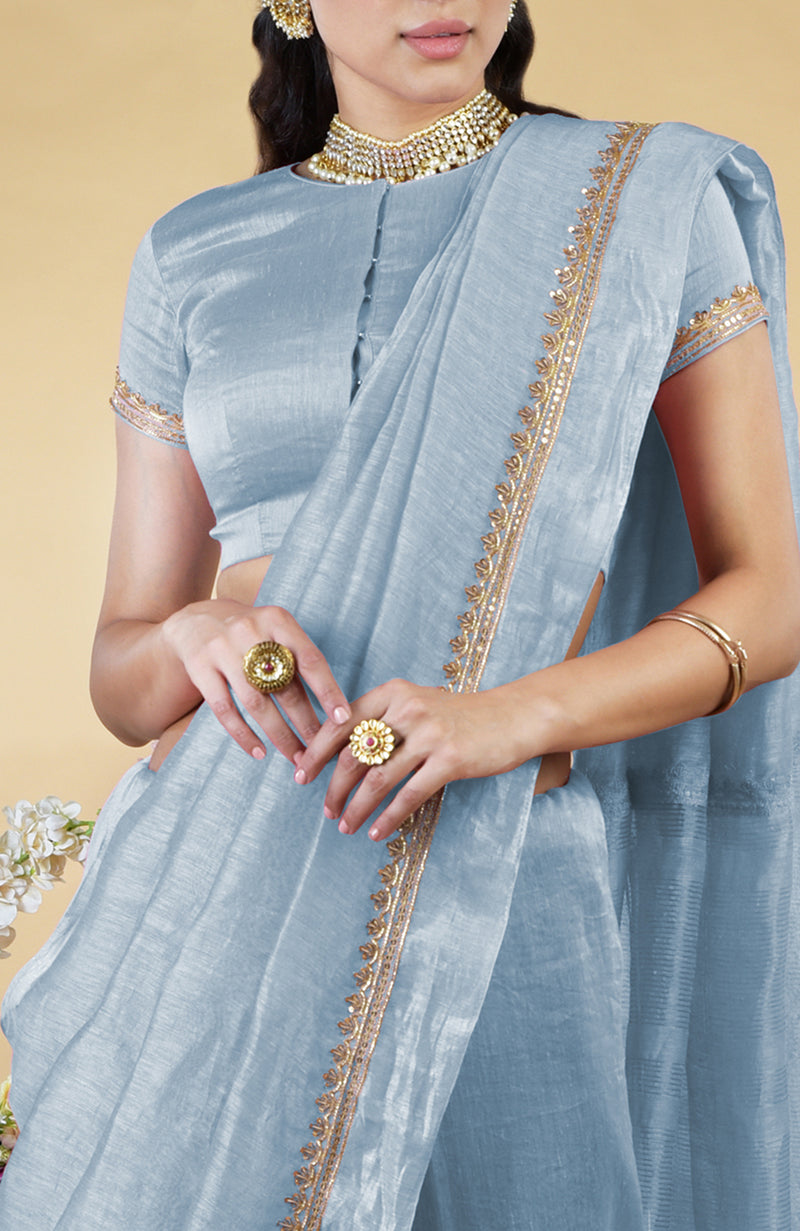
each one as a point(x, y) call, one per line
point(116, 111)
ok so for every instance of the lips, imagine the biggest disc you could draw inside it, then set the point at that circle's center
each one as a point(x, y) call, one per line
point(438, 29)
point(438, 40)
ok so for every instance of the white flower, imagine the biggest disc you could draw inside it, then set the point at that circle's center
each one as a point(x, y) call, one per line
point(12, 846)
point(51, 806)
point(49, 868)
point(33, 854)
point(68, 834)
point(14, 866)
point(70, 845)
point(31, 900)
point(9, 1132)
point(8, 880)
point(36, 840)
point(11, 890)
point(22, 816)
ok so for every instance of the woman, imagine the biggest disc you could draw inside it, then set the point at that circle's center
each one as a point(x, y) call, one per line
point(570, 1003)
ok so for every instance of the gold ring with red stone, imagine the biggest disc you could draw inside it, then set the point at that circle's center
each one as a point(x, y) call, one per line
point(372, 742)
point(269, 666)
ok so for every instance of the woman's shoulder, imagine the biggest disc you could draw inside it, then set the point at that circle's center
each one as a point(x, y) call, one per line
point(218, 216)
point(217, 211)
point(667, 157)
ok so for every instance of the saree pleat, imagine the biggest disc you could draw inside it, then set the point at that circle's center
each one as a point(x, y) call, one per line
point(189, 1013)
point(542, 1083)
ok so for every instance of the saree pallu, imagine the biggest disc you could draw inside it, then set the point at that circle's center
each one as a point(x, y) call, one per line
point(246, 1019)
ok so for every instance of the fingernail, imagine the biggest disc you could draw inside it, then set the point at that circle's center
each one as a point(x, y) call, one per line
point(341, 714)
point(374, 834)
point(259, 754)
point(326, 812)
point(300, 777)
point(343, 827)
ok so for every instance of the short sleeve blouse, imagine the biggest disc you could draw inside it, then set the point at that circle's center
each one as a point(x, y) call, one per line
point(230, 342)
point(153, 366)
point(719, 299)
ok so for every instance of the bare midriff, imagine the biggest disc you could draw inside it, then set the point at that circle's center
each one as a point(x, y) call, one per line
point(241, 583)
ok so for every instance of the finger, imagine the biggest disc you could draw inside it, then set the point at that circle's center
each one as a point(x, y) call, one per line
point(262, 709)
point(312, 666)
point(378, 782)
point(294, 702)
point(214, 689)
point(262, 705)
point(331, 739)
point(417, 791)
point(395, 695)
point(275, 728)
point(346, 777)
point(327, 743)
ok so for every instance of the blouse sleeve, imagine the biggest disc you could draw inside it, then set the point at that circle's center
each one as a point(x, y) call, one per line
point(720, 299)
point(152, 371)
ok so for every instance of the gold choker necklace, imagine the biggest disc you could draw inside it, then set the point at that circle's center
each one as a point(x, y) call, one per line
point(351, 157)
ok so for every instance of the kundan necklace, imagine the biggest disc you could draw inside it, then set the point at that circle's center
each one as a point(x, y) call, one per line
point(352, 157)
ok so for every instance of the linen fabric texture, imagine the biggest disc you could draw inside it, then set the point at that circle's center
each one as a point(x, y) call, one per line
point(572, 1010)
point(236, 346)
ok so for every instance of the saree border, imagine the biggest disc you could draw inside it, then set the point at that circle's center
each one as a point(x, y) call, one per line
point(394, 902)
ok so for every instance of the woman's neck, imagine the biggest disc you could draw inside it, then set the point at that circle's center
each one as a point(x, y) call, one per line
point(456, 138)
point(391, 117)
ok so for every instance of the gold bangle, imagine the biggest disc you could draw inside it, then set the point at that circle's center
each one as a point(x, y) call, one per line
point(734, 652)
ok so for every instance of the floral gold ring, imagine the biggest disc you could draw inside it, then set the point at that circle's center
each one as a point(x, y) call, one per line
point(269, 666)
point(372, 742)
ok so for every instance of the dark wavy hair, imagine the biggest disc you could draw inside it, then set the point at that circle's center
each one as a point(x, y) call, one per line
point(293, 100)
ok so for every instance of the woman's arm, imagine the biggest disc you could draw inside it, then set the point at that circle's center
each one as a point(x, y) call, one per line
point(721, 420)
point(163, 644)
point(160, 559)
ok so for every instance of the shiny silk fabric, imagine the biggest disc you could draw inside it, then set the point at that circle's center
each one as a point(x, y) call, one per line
point(187, 1021)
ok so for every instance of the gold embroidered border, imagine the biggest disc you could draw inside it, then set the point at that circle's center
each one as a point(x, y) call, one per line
point(724, 319)
point(574, 300)
point(394, 902)
point(149, 418)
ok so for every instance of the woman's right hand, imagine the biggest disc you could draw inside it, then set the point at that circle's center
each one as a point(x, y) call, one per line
point(163, 645)
point(210, 639)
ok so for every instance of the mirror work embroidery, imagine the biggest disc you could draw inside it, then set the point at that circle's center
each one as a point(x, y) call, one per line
point(723, 320)
point(147, 417)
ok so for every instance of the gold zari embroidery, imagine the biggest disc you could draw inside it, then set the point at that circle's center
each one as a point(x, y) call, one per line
point(568, 322)
point(723, 320)
point(394, 902)
point(149, 418)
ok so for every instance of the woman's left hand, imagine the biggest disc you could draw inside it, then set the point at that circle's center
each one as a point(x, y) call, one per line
point(440, 737)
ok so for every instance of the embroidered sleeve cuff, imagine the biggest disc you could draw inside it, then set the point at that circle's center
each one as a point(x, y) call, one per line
point(709, 328)
point(148, 418)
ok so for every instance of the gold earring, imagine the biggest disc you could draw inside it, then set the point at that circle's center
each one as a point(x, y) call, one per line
point(512, 7)
point(291, 16)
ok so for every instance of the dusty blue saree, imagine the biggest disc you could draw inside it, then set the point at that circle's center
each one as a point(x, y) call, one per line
point(247, 1020)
